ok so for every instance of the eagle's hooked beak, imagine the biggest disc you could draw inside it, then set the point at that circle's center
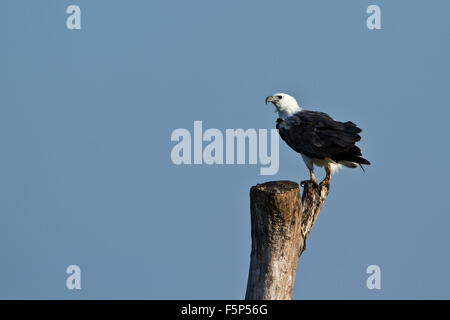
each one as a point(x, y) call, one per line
point(269, 99)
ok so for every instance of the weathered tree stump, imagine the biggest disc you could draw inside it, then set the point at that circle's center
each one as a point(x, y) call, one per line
point(281, 222)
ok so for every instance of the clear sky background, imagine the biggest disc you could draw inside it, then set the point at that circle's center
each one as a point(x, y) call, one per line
point(86, 117)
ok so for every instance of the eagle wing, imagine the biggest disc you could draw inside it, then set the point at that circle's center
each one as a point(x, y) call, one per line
point(317, 135)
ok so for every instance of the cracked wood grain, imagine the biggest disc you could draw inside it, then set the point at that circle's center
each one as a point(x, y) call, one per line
point(281, 221)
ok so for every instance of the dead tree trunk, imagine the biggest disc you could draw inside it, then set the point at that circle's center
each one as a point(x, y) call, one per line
point(281, 222)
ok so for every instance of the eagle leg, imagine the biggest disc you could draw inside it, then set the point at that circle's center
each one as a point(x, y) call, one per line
point(313, 179)
point(326, 181)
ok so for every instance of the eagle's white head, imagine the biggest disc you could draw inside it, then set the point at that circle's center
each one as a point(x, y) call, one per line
point(285, 104)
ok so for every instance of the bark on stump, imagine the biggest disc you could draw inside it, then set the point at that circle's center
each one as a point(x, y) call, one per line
point(281, 222)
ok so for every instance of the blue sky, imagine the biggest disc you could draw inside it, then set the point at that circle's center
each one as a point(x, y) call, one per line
point(86, 117)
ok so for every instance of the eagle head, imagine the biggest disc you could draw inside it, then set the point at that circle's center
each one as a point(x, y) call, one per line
point(285, 104)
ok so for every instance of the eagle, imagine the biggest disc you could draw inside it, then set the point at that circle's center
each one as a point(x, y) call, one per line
point(321, 140)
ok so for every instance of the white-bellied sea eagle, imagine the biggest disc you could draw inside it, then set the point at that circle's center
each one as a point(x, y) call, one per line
point(320, 140)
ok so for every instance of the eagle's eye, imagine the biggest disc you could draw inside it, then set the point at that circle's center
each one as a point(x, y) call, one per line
point(280, 97)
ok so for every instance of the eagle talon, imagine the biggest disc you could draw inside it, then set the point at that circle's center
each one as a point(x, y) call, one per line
point(325, 183)
point(315, 184)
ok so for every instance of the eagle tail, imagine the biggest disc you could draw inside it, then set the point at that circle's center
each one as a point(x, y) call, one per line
point(359, 160)
point(353, 155)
